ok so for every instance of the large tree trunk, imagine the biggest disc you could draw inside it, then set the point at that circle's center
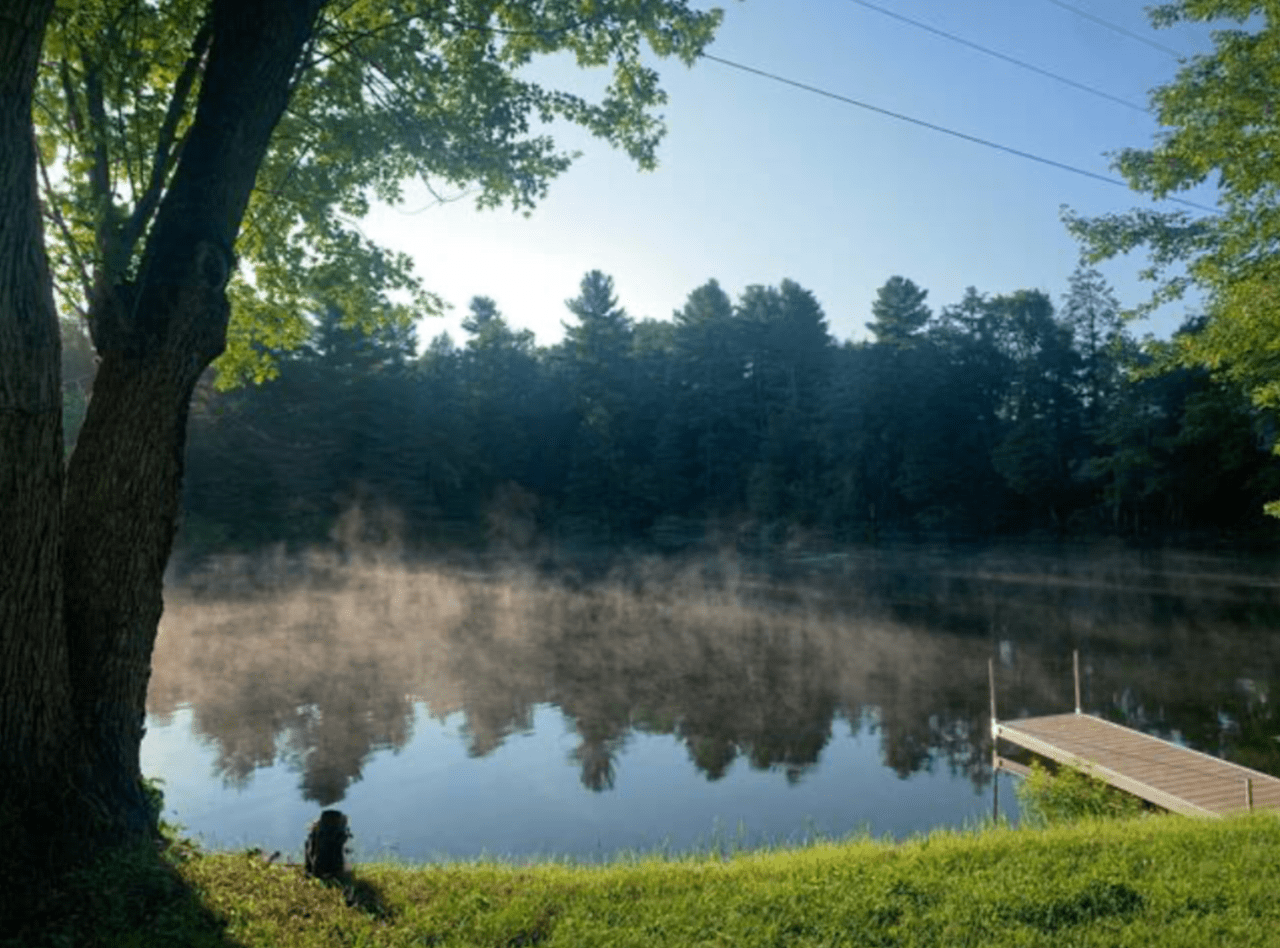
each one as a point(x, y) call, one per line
point(37, 744)
point(155, 337)
point(81, 570)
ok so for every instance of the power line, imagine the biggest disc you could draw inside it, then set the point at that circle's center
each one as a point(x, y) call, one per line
point(938, 128)
point(991, 52)
point(1118, 29)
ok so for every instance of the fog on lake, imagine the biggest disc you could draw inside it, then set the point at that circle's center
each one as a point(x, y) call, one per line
point(536, 712)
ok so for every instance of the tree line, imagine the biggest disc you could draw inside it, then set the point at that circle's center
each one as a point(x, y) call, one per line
point(998, 415)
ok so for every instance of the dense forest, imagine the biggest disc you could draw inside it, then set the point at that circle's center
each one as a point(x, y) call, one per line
point(740, 422)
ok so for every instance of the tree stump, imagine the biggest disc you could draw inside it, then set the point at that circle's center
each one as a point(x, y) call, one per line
point(326, 845)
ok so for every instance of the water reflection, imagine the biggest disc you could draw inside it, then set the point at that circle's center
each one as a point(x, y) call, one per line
point(319, 663)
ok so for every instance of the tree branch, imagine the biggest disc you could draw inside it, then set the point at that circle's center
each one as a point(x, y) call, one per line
point(351, 39)
point(73, 103)
point(100, 174)
point(166, 154)
point(101, 195)
point(55, 215)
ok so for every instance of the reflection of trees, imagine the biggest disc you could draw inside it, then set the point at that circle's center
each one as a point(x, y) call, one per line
point(245, 740)
point(326, 727)
point(335, 735)
point(712, 753)
point(490, 717)
point(732, 689)
point(785, 717)
point(293, 675)
point(733, 666)
point(596, 754)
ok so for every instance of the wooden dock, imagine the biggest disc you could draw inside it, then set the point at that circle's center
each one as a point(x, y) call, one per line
point(1173, 777)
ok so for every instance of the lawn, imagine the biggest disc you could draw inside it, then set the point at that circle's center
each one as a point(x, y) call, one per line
point(1149, 880)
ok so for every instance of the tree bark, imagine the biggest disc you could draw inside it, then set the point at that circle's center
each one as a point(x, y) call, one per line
point(155, 336)
point(37, 742)
point(82, 557)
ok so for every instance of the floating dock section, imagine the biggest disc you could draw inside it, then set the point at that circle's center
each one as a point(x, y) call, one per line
point(1168, 775)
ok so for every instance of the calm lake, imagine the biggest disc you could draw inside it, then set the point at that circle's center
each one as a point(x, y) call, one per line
point(452, 713)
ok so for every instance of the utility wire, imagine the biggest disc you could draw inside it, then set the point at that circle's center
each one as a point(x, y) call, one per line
point(938, 128)
point(1118, 29)
point(991, 52)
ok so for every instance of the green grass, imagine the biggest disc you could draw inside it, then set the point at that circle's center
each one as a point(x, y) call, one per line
point(1153, 880)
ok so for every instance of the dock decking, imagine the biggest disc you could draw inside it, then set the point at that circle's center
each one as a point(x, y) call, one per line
point(1166, 774)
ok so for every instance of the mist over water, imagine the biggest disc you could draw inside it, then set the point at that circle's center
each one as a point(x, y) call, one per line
point(526, 712)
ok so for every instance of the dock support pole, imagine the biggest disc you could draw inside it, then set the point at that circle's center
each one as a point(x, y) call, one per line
point(995, 746)
point(991, 680)
point(995, 790)
point(1248, 792)
point(1075, 668)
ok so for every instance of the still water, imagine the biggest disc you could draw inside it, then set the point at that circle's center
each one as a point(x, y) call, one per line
point(520, 713)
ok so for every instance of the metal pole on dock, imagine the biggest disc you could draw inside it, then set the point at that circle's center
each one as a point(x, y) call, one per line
point(991, 680)
point(995, 746)
point(995, 789)
point(1075, 667)
point(1248, 792)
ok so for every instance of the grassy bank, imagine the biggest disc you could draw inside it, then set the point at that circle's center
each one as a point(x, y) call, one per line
point(1150, 881)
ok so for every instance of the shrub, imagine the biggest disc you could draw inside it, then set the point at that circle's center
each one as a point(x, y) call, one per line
point(1071, 794)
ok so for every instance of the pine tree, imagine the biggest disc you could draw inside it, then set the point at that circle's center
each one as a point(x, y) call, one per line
point(899, 311)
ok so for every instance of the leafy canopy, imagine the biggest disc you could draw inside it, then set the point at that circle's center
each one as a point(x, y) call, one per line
point(387, 91)
point(1221, 117)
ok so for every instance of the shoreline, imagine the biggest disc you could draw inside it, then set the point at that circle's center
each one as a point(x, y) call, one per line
point(1149, 880)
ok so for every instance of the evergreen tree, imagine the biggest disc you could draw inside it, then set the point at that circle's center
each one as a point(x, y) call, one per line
point(899, 312)
point(483, 311)
point(712, 419)
point(1039, 451)
point(1092, 312)
point(596, 352)
point(788, 349)
point(500, 374)
point(282, 461)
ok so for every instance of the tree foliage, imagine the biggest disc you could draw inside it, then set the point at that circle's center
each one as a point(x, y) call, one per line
point(899, 311)
point(1220, 120)
point(384, 93)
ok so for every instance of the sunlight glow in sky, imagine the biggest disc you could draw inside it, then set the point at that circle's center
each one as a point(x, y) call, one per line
point(759, 182)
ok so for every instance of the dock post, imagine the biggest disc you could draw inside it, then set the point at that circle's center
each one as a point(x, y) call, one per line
point(1075, 667)
point(991, 680)
point(995, 746)
point(1248, 792)
point(995, 790)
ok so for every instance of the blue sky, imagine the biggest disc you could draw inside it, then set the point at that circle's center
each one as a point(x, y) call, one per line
point(759, 181)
